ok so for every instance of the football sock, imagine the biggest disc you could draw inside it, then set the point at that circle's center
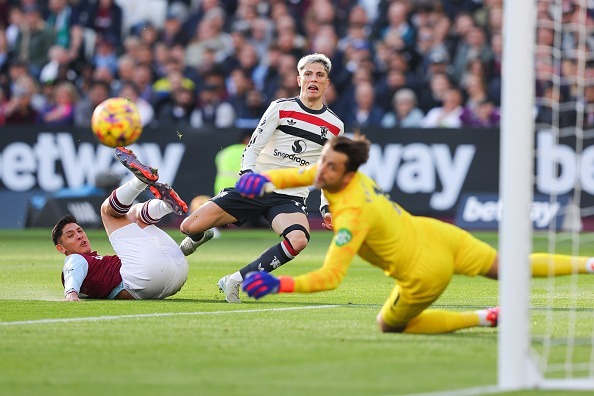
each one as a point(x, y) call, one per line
point(270, 260)
point(196, 237)
point(121, 198)
point(153, 210)
point(482, 317)
point(545, 264)
point(435, 321)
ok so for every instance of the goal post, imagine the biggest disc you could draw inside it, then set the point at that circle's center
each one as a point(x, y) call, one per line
point(546, 327)
point(516, 184)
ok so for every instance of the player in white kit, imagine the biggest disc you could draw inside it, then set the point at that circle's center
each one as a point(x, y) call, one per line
point(148, 263)
point(291, 133)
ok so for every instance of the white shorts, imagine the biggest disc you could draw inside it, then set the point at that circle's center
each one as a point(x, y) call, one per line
point(153, 266)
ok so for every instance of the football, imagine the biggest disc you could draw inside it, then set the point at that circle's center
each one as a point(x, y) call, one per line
point(116, 122)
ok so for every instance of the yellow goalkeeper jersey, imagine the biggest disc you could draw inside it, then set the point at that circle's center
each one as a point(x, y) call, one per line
point(365, 222)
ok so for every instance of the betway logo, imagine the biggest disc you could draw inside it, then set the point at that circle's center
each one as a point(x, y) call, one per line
point(54, 162)
point(484, 210)
point(417, 168)
point(559, 167)
point(291, 157)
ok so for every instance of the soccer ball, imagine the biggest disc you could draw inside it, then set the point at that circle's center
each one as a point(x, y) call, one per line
point(116, 122)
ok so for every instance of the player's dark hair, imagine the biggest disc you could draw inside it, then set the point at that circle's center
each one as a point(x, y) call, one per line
point(356, 150)
point(59, 227)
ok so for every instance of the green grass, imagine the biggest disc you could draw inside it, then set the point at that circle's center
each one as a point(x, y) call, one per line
point(195, 343)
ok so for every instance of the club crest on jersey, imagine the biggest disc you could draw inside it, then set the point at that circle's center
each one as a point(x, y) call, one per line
point(299, 146)
point(291, 122)
point(342, 237)
point(324, 132)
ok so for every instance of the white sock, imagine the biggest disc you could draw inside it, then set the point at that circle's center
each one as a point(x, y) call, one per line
point(482, 314)
point(236, 276)
point(127, 192)
point(590, 265)
point(154, 210)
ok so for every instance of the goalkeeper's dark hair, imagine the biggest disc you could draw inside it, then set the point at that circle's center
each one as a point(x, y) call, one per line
point(356, 150)
point(59, 227)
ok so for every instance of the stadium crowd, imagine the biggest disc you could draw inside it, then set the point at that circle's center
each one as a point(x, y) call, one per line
point(194, 63)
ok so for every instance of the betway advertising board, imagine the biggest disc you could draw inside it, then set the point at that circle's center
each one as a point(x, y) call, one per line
point(426, 171)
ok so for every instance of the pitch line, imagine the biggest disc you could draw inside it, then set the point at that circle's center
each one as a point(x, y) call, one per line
point(478, 391)
point(157, 315)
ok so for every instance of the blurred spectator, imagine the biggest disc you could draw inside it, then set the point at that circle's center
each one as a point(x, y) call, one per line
point(104, 74)
point(3, 104)
point(212, 110)
point(174, 78)
point(209, 34)
point(405, 113)
point(129, 91)
point(386, 89)
point(483, 115)
point(172, 32)
point(365, 112)
point(34, 41)
point(143, 79)
point(16, 19)
point(178, 111)
point(58, 67)
point(60, 111)
point(4, 57)
point(105, 18)
point(431, 51)
point(397, 20)
point(249, 115)
point(494, 69)
point(431, 95)
point(260, 35)
point(98, 92)
point(474, 90)
point(551, 111)
point(126, 68)
point(588, 122)
point(60, 20)
point(474, 45)
point(447, 115)
point(19, 109)
point(105, 54)
point(148, 34)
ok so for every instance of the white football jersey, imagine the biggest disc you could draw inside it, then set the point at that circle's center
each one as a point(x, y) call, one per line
point(290, 135)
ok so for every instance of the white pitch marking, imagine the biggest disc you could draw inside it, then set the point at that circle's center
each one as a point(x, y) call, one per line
point(154, 315)
point(478, 391)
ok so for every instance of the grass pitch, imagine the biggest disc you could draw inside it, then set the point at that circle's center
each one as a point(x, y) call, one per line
point(197, 344)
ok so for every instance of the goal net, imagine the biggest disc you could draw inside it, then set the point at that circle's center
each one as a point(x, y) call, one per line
point(546, 337)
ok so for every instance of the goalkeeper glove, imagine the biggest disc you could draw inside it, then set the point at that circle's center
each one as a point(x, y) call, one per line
point(253, 185)
point(259, 284)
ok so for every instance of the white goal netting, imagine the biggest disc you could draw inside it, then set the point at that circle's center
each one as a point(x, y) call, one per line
point(562, 308)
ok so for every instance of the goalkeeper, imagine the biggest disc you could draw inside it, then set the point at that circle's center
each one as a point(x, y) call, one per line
point(421, 253)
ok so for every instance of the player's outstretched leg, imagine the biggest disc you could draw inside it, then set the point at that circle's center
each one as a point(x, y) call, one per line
point(167, 194)
point(192, 242)
point(433, 321)
point(143, 172)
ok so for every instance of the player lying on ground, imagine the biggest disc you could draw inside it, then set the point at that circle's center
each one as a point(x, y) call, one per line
point(148, 263)
point(291, 133)
point(420, 253)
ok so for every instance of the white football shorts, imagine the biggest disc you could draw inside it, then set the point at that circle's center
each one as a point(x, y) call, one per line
point(153, 266)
